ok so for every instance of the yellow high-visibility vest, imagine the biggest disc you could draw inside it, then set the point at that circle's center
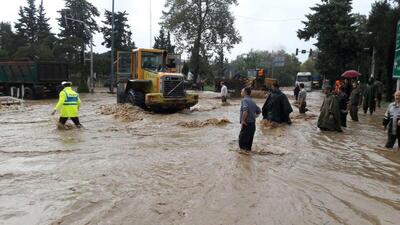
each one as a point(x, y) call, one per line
point(69, 103)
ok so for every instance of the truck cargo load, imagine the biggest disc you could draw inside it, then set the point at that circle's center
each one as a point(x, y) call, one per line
point(30, 79)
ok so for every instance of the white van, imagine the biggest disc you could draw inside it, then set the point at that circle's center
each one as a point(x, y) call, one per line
point(305, 78)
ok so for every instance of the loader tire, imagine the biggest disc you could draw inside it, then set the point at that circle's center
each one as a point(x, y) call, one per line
point(136, 98)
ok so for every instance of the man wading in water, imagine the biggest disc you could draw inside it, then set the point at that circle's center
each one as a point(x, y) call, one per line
point(249, 111)
point(392, 120)
point(69, 104)
point(329, 118)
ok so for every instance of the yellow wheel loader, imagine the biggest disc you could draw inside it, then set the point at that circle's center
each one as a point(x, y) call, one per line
point(144, 79)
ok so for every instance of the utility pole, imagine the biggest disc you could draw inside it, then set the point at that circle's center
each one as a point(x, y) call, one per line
point(373, 62)
point(91, 51)
point(151, 35)
point(112, 50)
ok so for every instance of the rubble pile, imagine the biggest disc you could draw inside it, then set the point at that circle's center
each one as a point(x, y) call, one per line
point(258, 94)
point(304, 117)
point(209, 122)
point(269, 124)
point(125, 113)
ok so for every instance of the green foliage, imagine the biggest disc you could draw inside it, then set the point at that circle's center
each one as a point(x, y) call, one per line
point(102, 63)
point(122, 36)
point(74, 34)
point(309, 66)
point(7, 40)
point(25, 52)
point(382, 24)
point(3, 54)
point(43, 26)
point(334, 27)
point(35, 52)
point(194, 26)
point(225, 36)
point(33, 39)
point(164, 42)
point(264, 59)
point(27, 23)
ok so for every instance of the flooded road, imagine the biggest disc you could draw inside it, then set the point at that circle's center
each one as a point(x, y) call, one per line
point(155, 169)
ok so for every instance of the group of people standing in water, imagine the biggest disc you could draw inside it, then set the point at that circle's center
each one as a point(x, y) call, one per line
point(345, 98)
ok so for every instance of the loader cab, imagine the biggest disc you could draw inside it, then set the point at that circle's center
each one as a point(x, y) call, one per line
point(147, 59)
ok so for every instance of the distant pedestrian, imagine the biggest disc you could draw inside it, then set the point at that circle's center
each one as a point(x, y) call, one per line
point(302, 99)
point(355, 101)
point(338, 84)
point(249, 111)
point(344, 105)
point(378, 85)
point(369, 97)
point(392, 121)
point(224, 92)
point(69, 104)
point(296, 92)
point(329, 118)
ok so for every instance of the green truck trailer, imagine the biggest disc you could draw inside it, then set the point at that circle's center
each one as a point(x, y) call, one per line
point(32, 80)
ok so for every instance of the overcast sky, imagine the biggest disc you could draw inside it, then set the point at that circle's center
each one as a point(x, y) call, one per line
point(263, 24)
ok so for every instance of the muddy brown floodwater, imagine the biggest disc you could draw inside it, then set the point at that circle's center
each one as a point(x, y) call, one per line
point(152, 169)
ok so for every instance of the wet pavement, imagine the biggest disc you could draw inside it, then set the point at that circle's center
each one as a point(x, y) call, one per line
point(153, 170)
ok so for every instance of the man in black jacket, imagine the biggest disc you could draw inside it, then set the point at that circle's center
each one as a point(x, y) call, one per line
point(277, 107)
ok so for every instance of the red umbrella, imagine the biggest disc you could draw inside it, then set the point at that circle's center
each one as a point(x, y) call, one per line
point(351, 74)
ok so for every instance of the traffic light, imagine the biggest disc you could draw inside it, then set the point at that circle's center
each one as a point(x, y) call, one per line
point(310, 52)
point(297, 51)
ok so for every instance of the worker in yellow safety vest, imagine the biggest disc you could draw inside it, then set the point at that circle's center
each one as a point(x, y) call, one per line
point(69, 104)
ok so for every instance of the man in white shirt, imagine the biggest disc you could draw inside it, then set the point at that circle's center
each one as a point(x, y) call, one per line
point(392, 121)
point(224, 92)
point(302, 99)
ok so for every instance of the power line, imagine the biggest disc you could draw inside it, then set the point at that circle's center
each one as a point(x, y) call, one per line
point(269, 20)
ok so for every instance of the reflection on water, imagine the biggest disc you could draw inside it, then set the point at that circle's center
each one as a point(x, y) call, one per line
point(155, 171)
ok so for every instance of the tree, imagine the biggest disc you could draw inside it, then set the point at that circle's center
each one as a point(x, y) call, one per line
point(75, 36)
point(122, 36)
point(7, 40)
point(333, 25)
point(382, 23)
point(27, 23)
point(35, 52)
point(192, 23)
point(170, 47)
point(308, 66)
point(164, 42)
point(225, 36)
point(74, 33)
point(43, 26)
point(264, 59)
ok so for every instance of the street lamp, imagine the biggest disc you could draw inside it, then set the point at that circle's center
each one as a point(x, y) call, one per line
point(151, 35)
point(373, 56)
point(112, 50)
point(91, 50)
